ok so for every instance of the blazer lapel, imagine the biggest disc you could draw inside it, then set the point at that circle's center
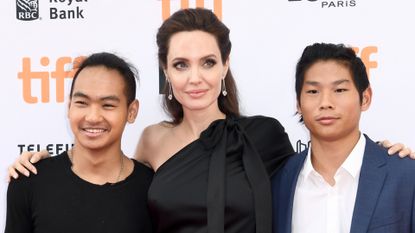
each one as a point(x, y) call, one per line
point(372, 177)
point(291, 177)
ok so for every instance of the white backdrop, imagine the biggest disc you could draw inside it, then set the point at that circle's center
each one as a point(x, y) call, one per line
point(268, 37)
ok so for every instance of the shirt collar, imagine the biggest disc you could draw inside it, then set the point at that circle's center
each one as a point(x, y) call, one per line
point(352, 164)
point(308, 166)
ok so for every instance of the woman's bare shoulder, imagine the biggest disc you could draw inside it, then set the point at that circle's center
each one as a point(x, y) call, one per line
point(151, 140)
point(155, 132)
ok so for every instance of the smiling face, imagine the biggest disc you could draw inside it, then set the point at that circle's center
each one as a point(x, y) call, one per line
point(195, 70)
point(98, 108)
point(330, 103)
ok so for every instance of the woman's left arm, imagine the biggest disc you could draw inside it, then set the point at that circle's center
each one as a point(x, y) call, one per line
point(397, 147)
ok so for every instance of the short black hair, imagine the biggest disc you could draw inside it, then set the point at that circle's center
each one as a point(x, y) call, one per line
point(112, 62)
point(331, 52)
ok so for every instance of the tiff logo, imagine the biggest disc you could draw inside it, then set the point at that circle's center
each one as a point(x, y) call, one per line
point(59, 74)
point(365, 54)
point(165, 7)
point(27, 9)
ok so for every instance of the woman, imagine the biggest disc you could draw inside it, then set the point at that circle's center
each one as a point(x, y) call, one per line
point(212, 164)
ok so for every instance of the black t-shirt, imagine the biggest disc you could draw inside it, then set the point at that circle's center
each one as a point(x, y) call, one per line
point(57, 201)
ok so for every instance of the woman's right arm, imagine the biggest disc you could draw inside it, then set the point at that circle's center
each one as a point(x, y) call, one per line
point(24, 164)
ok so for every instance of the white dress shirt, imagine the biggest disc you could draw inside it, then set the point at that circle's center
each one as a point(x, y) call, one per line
point(321, 208)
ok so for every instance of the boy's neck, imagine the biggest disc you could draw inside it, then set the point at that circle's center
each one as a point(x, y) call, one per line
point(98, 166)
point(328, 156)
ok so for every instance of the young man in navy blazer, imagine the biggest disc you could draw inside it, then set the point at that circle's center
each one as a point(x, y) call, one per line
point(345, 182)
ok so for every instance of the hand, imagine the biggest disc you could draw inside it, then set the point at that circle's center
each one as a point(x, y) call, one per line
point(398, 147)
point(23, 164)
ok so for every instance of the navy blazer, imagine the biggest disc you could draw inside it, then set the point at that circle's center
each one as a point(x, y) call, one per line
point(384, 200)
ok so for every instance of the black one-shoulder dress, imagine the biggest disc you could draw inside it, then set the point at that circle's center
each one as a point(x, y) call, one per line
point(220, 182)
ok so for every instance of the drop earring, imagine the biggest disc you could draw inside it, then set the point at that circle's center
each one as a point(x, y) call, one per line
point(224, 92)
point(170, 96)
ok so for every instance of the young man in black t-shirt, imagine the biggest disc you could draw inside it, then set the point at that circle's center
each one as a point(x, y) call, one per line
point(94, 187)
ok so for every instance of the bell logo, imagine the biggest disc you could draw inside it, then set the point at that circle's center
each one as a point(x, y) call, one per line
point(59, 74)
point(300, 146)
point(365, 56)
point(27, 9)
point(184, 4)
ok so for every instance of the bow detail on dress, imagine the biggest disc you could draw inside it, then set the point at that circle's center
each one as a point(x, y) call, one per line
point(226, 137)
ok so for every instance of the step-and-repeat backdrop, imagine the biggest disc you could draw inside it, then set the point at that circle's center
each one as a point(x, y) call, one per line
point(40, 38)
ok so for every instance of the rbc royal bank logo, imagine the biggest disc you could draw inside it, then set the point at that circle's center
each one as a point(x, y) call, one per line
point(27, 9)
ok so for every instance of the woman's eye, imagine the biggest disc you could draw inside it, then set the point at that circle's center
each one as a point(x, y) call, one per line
point(180, 65)
point(209, 63)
